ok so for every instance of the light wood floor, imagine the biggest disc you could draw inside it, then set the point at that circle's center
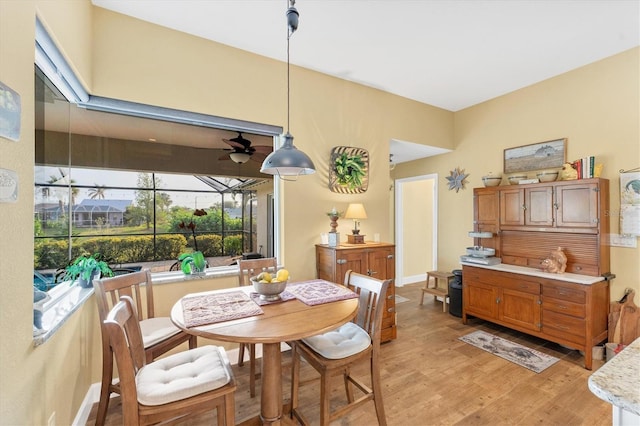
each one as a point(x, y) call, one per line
point(432, 378)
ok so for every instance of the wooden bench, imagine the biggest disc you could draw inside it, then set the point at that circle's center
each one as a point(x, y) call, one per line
point(437, 291)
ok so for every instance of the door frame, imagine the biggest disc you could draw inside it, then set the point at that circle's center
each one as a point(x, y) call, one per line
point(399, 228)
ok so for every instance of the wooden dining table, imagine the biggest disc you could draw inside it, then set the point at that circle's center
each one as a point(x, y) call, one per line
point(284, 321)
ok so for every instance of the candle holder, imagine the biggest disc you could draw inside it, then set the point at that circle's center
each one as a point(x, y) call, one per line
point(334, 222)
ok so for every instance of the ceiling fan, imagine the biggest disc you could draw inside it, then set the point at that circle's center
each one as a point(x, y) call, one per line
point(243, 151)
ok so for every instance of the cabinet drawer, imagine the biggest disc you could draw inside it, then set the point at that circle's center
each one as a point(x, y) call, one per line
point(564, 292)
point(564, 307)
point(564, 326)
point(524, 286)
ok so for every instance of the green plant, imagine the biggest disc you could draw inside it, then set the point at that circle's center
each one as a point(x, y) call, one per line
point(192, 262)
point(350, 170)
point(85, 265)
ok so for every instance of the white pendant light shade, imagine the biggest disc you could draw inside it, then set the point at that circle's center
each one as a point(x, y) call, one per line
point(239, 157)
point(288, 161)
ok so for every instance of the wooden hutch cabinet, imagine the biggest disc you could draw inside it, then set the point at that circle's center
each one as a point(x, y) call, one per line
point(528, 222)
point(374, 259)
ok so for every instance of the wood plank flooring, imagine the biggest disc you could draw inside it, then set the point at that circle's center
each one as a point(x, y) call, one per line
point(431, 378)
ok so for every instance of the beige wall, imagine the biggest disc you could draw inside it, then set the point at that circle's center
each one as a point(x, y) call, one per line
point(596, 107)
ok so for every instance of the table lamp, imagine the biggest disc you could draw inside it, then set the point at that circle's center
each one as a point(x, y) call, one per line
point(356, 212)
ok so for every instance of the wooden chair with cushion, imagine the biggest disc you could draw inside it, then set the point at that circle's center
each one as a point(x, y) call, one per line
point(159, 334)
point(335, 352)
point(248, 269)
point(182, 384)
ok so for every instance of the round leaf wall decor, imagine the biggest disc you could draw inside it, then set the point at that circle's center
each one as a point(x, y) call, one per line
point(349, 170)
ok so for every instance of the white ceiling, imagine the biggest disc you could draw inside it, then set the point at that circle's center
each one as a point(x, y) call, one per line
point(450, 54)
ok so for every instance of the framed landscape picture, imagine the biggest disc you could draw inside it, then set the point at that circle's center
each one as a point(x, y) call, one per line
point(537, 156)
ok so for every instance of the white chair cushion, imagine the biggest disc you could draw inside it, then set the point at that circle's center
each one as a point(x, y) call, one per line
point(349, 339)
point(156, 330)
point(183, 375)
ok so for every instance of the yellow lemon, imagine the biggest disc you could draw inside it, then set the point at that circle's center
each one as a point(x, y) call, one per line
point(282, 275)
point(264, 276)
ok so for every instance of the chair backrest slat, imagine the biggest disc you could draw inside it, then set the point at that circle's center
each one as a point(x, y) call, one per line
point(252, 267)
point(371, 298)
point(110, 290)
point(123, 330)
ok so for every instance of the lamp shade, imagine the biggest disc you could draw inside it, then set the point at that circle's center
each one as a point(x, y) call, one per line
point(355, 211)
point(239, 157)
point(288, 161)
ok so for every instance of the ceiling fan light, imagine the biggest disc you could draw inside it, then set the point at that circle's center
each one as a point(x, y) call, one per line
point(288, 161)
point(239, 157)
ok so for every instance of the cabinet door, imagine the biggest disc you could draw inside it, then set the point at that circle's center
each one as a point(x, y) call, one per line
point(512, 207)
point(381, 264)
point(538, 207)
point(486, 206)
point(480, 299)
point(520, 308)
point(577, 205)
point(350, 259)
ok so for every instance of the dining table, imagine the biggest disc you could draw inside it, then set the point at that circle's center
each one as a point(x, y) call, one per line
point(239, 315)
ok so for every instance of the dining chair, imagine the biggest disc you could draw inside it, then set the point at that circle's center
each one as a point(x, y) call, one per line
point(248, 269)
point(182, 384)
point(335, 352)
point(159, 334)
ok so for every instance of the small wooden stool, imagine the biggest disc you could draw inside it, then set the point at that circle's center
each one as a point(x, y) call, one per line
point(437, 291)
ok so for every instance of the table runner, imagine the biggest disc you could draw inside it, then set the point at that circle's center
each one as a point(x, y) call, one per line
point(213, 308)
point(317, 292)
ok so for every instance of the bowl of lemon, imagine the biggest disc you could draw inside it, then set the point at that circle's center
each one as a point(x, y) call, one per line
point(270, 286)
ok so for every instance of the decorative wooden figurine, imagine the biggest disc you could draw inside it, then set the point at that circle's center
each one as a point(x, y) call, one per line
point(556, 263)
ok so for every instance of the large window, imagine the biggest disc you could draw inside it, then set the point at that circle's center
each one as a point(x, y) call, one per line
point(142, 191)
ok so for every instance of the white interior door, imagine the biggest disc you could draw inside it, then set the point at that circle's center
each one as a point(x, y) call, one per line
point(416, 213)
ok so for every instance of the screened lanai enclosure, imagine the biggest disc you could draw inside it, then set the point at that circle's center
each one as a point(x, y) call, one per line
point(141, 185)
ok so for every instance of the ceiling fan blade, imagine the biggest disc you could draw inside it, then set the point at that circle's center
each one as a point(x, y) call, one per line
point(234, 144)
point(264, 149)
point(258, 156)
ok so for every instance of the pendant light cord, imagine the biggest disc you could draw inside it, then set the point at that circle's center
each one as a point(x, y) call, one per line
point(288, 83)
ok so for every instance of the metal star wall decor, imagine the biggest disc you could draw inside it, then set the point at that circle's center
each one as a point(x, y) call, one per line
point(456, 179)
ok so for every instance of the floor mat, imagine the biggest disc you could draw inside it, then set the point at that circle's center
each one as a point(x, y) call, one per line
point(514, 352)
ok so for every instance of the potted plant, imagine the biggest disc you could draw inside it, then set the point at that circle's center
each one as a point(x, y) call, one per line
point(192, 263)
point(85, 268)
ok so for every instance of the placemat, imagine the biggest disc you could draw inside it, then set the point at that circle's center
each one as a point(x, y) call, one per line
point(284, 296)
point(213, 308)
point(317, 292)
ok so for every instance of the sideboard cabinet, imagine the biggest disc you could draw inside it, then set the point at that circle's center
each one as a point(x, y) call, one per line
point(568, 313)
point(373, 259)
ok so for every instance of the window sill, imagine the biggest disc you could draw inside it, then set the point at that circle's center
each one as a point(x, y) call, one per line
point(63, 305)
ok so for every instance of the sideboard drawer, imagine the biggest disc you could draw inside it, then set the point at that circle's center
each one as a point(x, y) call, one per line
point(563, 292)
point(564, 307)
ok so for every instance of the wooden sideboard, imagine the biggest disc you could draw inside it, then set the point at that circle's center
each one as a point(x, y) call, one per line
point(527, 223)
point(570, 313)
point(374, 259)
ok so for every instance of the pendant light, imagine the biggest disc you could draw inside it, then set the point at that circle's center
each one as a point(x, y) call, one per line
point(288, 160)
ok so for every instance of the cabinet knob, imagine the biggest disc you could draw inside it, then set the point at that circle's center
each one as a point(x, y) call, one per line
point(524, 207)
point(556, 206)
point(390, 296)
point(341, 261)
point(371, 272)
point(497, 300)
point(389, 256)
point(390, 310)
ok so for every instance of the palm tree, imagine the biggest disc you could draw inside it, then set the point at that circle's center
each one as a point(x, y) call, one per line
point(97, 192)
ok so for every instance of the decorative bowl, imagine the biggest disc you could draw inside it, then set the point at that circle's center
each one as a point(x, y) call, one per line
point(547, 175)
point(513, 180)
point(269, 291)
point(491, 180)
